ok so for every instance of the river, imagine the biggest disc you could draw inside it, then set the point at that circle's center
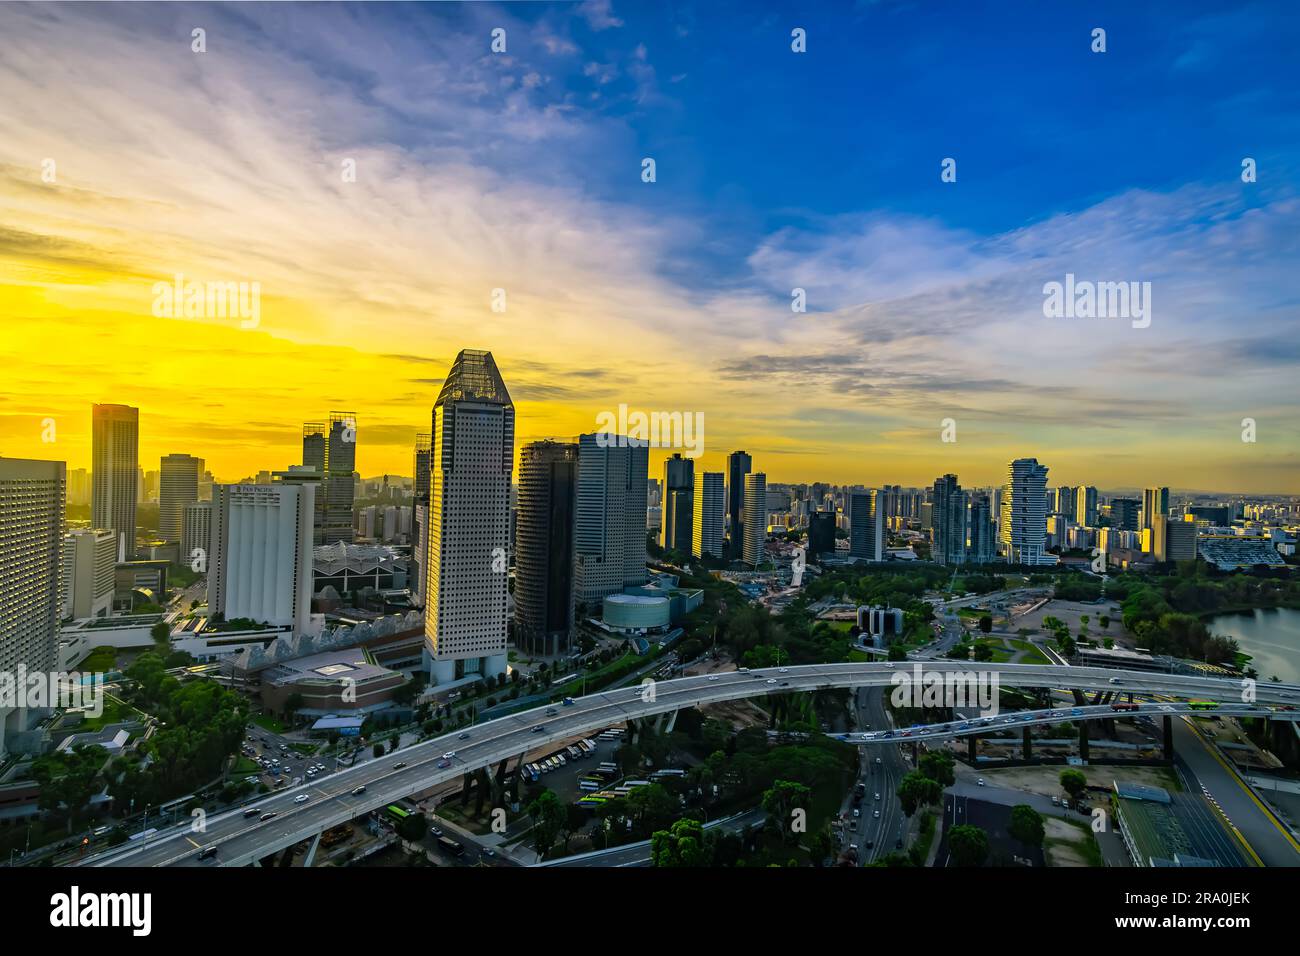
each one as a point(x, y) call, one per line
point(1271, 637)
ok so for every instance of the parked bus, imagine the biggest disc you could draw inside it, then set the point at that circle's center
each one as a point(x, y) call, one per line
point(396, 812)
point(451, 846)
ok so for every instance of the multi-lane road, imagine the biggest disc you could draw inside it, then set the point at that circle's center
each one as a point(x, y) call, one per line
point(243, 840)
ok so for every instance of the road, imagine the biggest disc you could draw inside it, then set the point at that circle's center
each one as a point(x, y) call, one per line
point(331, 800)
point(882, 769)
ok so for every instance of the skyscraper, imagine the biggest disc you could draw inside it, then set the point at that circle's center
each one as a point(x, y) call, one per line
point(1085, 506)
point(610, 526)
point(866, 526)
point(1066, 503)
point(1155, 501)
point(948, 537)
point(982, 531)
point(1173, 540)
point(260, 550)
point(1125, 514)
point(89, 559)
point(32, 503)
point(196, 534)
point(821, 532)
point(179, 487)
point(548, 494)
point(739, 464)
point(678, 503)
point(340, 478)
point(471, 461)
point(710, 515)
point(754, 517)
point(115, 472)
point(420, 513)
point(1023, 529)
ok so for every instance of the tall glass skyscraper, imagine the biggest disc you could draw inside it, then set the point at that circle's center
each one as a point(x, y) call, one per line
point(548, 486)
point(178, 487)
point(115, 472)
point(739, 464)
point(1023, 529)
point(948, 533)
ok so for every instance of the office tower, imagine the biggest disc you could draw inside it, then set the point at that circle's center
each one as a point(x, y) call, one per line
point(866, 526)
point(739, 464)
point(610, 526)
point(1066, 502)
point(948, 537)
point(1085, 506)
point(115, 472)
point(148, 486)
point(471, 461)
point(314, 445)
point(32, 503)
point(1124, 514)
point(1155, 501)
point(1023, 529)
point(1173, 540)
point(710, 515)
point(179, 488)
point(548, 497)
point(79, 487)
point(196, 534)
point(89, 561)
point(340, 478)
point(753, 521)
point(821, 533)
point(982, 533)
point(260, 550)
point(679, 505)
point(420, 467)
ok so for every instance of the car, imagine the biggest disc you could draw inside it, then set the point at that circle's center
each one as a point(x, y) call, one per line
point(1056, 801)
point(251, 778)
point(877, 761)
point(399, 765)
point(877, 814)
point(853, 825)
point(856, 813)
point(551, 711)
point(783, 670)
point(358, 791)
point(905, 733)
point(871, 844)
point(539, 729)
point(436, 831)
point(489, 852)
point(320, 768)
point(569, 702)
point(252, 812)
point(890, 665)
point(269, 815)
point(449, 755)
point(1115, 680)
point(979, 782)
point(713, 677)
point(877, 796)
point(785, 683)
point(1077, 711)
point(207, 851)
point(444, 764)
point(464, 736)
point(771, 680)
point(301, 798)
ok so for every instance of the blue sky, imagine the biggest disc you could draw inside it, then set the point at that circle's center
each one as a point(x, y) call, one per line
point(775, 170)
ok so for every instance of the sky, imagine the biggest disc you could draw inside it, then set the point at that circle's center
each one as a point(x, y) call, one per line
point(128, 158)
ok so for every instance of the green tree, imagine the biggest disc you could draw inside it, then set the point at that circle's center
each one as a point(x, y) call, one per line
point(938, 766)
point(1073, 782)
point(547, 813)
point(67, 779)
point(413, 828)
point(780, 802)
point(916, 790)
point(1026, 824)
point(969, 845)
point(986, 623)
point(683, 844)
point(161, 633)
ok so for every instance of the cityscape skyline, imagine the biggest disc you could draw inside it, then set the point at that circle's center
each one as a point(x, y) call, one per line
point(924, 298)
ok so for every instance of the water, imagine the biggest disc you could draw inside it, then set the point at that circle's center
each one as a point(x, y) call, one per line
point(1270, 637)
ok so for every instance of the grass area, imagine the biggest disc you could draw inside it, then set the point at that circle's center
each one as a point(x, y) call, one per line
point(920, 850)
point(306, 749)
point(1085, 845)
point(1031, 655)
point(1000, 653)
point(101, 660)
point(267, 722)
point(243, 767)
point(860, 657)
point(115, 712)
point(839, 625)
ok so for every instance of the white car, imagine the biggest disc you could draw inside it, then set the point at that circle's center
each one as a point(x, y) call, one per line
point(301, 798)
point(449, 755)
point(713, 677)
point(877, 814)
point(771, 680)
point(980, 782)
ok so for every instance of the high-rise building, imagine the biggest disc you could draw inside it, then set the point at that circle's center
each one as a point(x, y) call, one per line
point(1066, 502)
point(420, 467)
point(1023, 529)
point(610, 526)
point(982, 531)
point(866, 526)
point(1085, 506)
point(739, 464)
point(821, 532)
point(79, 488)
point(340, 477)
point(753, 521)
point(544, 558)
point(710, 515)
point(1125, 514)
point(32, 503)
point(948, 537)
point(471, 461)
point(89, 562)
point(1173, 540)
point(179, 488)
point(196, 534)
point(260, 550)
point(115, 472)
point(314, 444)
point(1155, 501)
point(678, 503)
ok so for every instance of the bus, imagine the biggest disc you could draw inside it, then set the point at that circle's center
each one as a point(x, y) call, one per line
point(451, 846)
point(396, 812)
point(590, 785)
point(1203, 705)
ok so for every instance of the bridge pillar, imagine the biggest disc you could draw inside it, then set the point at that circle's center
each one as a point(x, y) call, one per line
point(1026, 744)
point(1169, 737)
point(1096, 698)
point(672, 722)
point(970, 748)
point(1079, 699)
point(1083, 741)
point(311, 851)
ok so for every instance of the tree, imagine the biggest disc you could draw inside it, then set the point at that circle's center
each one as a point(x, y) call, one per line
point(67, 779)
point(1104, 621)
point(1026, 824)
point(547, 813)
point(916, 790)
point(780, 802)
point(413, 827)
point(1073, 782)
point(938, 766)
point(969, 845)
point(986, 623)
point(683, 844)
point(161, 633)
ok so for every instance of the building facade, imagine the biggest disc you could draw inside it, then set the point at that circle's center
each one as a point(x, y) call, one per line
point(710, 520)
point(115, 473)
point(610, 522)
point(544, 553)
point(866, 526)
point(1023, 528)
point(948, 535)
point(178, 488)
point(739, 464)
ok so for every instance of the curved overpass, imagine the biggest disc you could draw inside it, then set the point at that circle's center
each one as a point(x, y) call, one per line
point(242, 841)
